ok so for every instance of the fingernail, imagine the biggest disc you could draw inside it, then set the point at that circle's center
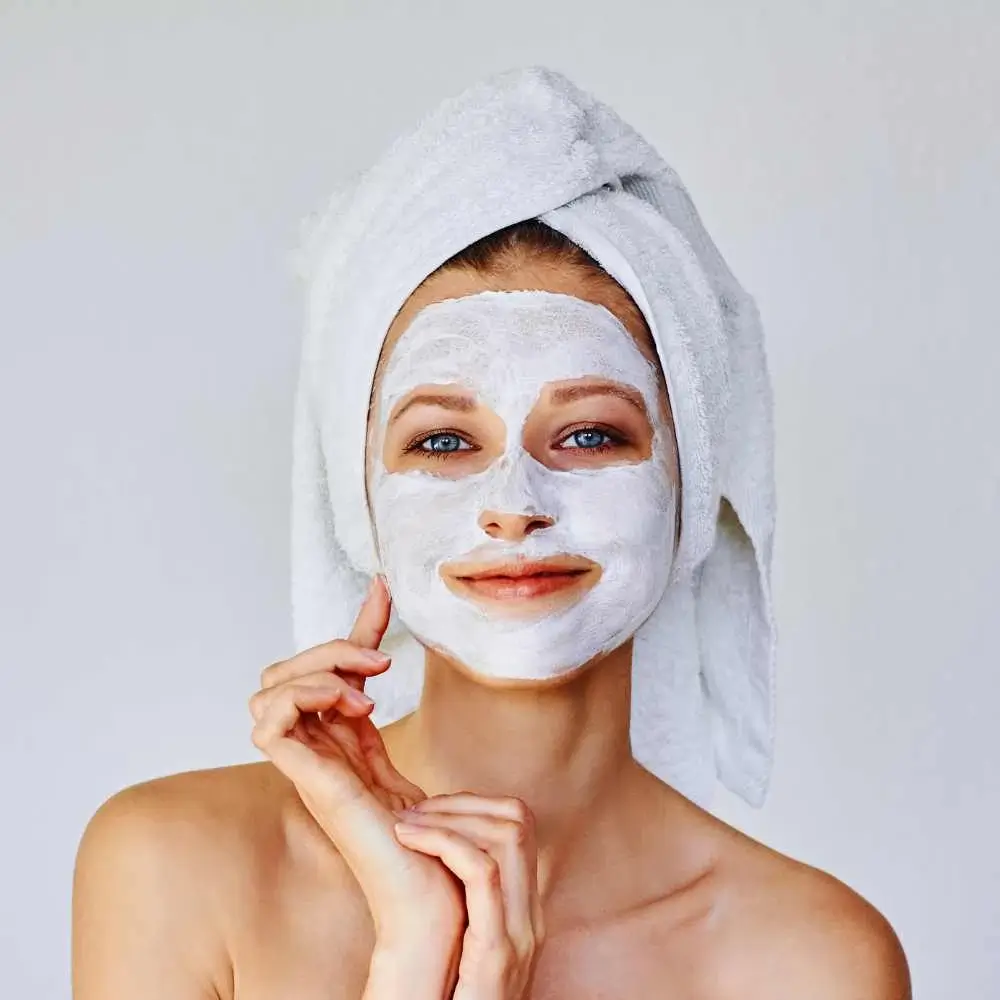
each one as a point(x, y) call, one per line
point(371, 587)
point(405, 828)
point(374, 655)
point(359, 697)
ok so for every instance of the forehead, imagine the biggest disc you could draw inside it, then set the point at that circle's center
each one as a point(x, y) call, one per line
point(524, 275)
point(507, 344)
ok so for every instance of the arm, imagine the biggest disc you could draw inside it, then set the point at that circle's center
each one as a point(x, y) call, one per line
point(311, 718)
point(140, 925)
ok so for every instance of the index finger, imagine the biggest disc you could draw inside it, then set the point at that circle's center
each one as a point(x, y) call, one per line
point(373, 617)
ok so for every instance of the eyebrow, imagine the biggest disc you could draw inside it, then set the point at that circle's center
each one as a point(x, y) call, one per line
point(462, 404)
point(567, 394)
point(571, 393)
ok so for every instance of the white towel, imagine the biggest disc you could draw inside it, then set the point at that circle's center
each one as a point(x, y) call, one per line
point(528, 143)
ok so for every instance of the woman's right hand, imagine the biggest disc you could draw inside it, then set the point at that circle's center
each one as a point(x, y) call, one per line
point(312, 720)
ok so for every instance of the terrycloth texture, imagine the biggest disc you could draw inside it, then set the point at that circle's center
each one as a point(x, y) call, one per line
point(528, 143)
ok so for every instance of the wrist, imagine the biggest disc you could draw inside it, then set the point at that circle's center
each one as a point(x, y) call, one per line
point(415, 969)
point(409, 935)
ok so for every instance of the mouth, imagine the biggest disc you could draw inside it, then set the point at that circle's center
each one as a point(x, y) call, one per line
point(521, 580)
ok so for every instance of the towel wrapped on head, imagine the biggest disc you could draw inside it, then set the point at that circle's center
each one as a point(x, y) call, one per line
point(522, 144)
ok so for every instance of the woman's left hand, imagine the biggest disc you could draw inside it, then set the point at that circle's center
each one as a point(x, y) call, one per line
point(489, 844)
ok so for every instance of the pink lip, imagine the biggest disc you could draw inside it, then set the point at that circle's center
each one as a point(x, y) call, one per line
point(524, 567)
point(506, 588)
point(522, 579)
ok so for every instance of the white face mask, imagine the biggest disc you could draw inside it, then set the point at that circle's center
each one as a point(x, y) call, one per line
point(506, 347)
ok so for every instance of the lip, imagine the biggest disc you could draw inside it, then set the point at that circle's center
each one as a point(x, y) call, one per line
point(519, 568)
point(522, 580)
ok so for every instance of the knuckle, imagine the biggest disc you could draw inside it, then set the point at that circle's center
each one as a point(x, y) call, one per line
point(490, 962)
point(524, 951)
point(519, 810)
point(268, 674)
point(504, 956)
point(338, 647)
point(489, 872)
point(515, 833)
point(284, 698)
point(294, 691)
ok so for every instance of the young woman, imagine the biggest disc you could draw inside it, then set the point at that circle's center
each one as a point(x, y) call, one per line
point(562, 491)
point(500, 842)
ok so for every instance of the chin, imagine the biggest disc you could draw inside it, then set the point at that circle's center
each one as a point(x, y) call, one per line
point(499, 682)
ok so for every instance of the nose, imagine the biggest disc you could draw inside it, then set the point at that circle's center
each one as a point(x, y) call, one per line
point(512, 527)
point(512, 488)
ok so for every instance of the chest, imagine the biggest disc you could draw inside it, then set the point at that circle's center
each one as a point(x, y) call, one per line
point(309, 952)
point(638, 962)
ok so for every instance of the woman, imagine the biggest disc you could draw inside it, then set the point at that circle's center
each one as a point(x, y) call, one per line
point(525, 489)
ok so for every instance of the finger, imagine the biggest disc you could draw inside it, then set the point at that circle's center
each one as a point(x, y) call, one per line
point(479, 873)
point(337, 654)
point(507, 807)
point(511, 845)
point(302, 765)
point(503, 807)
point(335, 795)
point(286, 704)
point(353, 702)
point(373, 617)
point(337, 740)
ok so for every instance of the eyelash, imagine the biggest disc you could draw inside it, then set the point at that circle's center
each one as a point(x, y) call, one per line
point(615, 440)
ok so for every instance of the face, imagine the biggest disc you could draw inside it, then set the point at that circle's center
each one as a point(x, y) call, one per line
point(522, 477)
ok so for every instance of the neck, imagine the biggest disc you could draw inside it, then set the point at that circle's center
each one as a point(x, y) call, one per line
point(563, 748)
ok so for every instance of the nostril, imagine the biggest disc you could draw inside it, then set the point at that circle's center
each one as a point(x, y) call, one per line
point(536, 522)
point(512, 526)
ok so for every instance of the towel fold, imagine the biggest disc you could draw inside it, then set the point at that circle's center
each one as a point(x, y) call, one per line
point(521, 144)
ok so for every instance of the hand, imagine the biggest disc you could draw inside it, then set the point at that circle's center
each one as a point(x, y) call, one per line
point(312, 721)
point(489, 844)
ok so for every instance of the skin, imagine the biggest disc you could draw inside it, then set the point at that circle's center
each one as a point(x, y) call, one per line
point(544, 861)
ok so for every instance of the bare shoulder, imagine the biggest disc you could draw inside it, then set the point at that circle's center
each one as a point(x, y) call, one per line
point(192, 819)
point(793, 930)
point(160, 870)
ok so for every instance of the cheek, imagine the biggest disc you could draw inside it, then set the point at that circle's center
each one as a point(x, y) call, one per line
point(625, 507)
point(421, 519)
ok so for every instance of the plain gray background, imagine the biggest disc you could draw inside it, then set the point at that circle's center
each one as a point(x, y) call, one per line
point(155, 162)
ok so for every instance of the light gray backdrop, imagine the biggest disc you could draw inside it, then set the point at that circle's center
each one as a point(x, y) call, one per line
point(154, 162)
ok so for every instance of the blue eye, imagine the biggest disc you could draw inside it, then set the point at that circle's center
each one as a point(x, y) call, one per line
point(442, 443)
point(589, 437)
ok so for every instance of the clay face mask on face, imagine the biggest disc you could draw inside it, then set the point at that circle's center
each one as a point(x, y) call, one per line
point(506, 348)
